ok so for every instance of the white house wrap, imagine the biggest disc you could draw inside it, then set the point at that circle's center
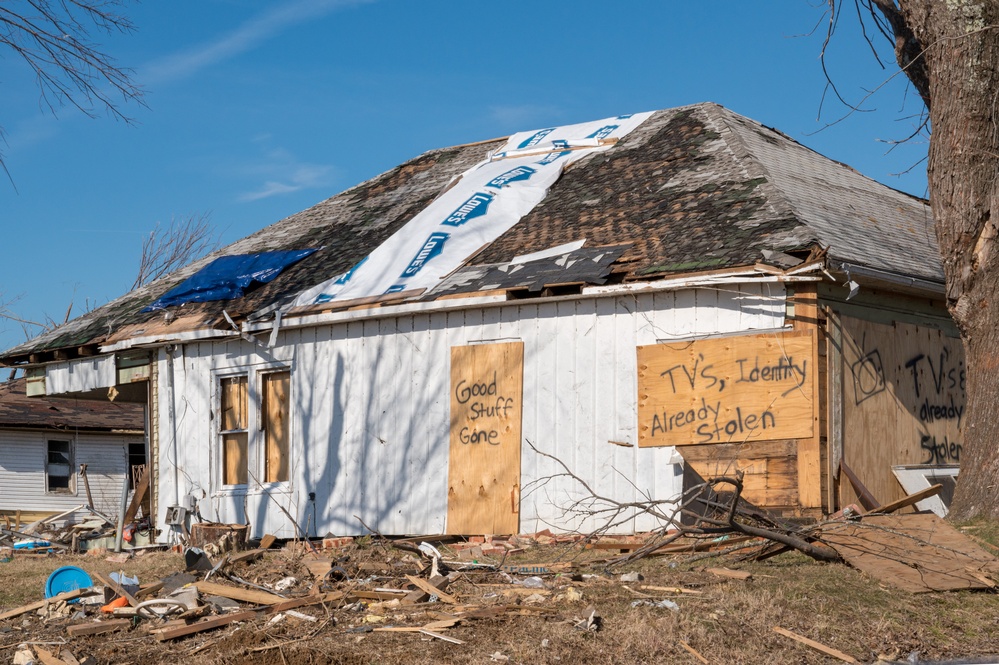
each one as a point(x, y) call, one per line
point(485, 202)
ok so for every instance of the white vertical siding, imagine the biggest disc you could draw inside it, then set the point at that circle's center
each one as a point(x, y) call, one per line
point(370, 407)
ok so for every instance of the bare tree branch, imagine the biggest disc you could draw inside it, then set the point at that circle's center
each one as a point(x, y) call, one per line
point(53, 38)
point(165, 250)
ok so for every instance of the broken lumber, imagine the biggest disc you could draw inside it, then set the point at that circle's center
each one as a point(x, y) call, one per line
point(97, 628)
point(728, 572)
point(693, 652)
point(916, 497)
point(117, 588)
point(237, 593)
point(137, 497)
point(432, 589)
point(48, 658)
point(419, 595)
point(202, 626)
point(39, 604)
point(818, 646)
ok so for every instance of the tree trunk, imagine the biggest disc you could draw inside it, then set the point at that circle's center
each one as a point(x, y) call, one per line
point(960, 43)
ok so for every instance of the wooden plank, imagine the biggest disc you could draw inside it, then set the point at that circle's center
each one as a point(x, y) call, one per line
point(484, 462)
point(693, 652)
point(117, 588)
point(267, 541)
point(750, 450)
point(726, 390)
point(97, 628)
point(729, 573)
point(868, 500)
point(431, 589)
point(807, 319)
point(138, 496)
point(306, 601)
point(248, 555)
point(438, 636)
point(419, 595)
point(48, 658)
point(829, 651)
point(916, 374)
point(915, 552)
point(148, 589)
point(37, 605)
point(202, 626)
point(238, 593)
point(276, 407)
point(909, 500)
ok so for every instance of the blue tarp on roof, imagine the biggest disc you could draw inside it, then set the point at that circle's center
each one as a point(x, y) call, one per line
point(229, 277)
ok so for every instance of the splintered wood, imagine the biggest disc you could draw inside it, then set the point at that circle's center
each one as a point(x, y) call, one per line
point(917, 553)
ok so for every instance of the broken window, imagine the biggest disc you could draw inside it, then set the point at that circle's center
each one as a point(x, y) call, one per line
point(59, 467)
point(235, 444)
point(257, 453)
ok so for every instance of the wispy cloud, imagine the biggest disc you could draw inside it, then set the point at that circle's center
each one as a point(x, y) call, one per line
point(258, 29)
point(283, 173)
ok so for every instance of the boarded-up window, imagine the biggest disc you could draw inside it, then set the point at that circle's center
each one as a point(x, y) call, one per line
point(731, 390)
point(234, 406)
point(59, 467)
point(275, 425)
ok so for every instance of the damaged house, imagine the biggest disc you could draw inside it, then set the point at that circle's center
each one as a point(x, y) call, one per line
point(633, 298)
point(45, 442)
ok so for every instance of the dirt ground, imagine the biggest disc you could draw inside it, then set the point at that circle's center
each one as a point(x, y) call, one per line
point(583, 613)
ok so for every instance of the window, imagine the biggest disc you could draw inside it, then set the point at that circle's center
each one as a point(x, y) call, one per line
point(254, 428)
point(235, 436)
point(136, 463)
point(59, 467)
point(275, 426)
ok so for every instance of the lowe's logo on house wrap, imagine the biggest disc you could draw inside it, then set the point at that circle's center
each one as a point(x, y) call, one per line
point(513, 175)
point(344, 278)
point(553, 156)
point(603, 132)
point(475, 206)
point(431, 248)
point(535, 138)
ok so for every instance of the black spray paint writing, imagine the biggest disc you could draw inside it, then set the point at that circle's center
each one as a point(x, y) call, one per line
point(940, 451)
point(484, 401)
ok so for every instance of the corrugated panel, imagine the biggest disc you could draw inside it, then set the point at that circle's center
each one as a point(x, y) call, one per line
point(371, 409)
point(80, 375)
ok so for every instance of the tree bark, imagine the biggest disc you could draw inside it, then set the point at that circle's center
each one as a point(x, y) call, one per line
point(960, 46)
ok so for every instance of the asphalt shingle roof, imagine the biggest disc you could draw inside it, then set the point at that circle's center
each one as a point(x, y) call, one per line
point(693, 188)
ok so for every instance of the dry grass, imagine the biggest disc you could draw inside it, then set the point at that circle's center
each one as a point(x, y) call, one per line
point(730, 621)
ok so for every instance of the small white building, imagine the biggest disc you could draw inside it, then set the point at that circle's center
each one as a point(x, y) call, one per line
point(45, 442)
point(481, 337)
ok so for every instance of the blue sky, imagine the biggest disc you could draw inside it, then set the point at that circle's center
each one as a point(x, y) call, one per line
point(257, 110)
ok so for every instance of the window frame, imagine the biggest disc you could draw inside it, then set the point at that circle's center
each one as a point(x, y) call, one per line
point(255, 431)
point(70, 453)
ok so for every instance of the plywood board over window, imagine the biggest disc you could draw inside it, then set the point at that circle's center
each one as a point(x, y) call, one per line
point(903, 401)
point(727, 390)
point(486, 415)
point(275, 425)
point(234, 403)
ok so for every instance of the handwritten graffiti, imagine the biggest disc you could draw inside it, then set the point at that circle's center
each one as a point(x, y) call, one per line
point(944, 374)
point(942, 451)
point(726, 390)
point(868, 376)
point(483, 400)
point(750, 371)
point(708, 427)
